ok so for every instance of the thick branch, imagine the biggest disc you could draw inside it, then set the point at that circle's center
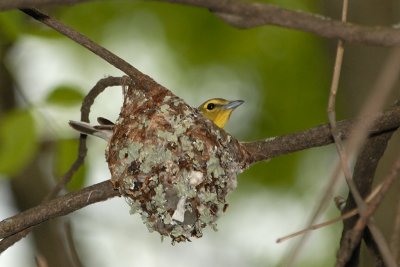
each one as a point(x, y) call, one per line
point(246, 15)
point(57, 207)
point(318, 136)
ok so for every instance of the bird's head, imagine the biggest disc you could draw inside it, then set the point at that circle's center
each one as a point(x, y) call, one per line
point(218, 110)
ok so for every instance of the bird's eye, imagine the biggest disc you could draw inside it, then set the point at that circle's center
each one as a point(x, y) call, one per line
point(211, 106)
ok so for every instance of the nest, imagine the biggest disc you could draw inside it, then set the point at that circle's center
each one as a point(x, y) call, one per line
point(174, 167)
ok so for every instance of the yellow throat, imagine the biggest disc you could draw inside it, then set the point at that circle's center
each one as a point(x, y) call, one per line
point(218, 110)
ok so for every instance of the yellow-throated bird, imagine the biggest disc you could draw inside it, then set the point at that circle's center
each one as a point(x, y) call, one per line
point(218, 110)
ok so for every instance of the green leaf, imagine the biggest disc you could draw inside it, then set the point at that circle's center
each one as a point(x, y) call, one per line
point(65, 95)
point(66, 153)
point(18, 142)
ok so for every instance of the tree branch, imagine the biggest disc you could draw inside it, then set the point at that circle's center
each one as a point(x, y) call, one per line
point(318, 136)
point(57, 207)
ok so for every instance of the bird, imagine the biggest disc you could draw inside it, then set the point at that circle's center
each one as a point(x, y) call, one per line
point(217, 110)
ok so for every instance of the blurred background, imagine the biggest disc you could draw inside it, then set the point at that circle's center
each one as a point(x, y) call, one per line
point(283, 75)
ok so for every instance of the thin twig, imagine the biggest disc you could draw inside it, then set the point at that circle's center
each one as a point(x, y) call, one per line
point(344, 160)
point(342, 217)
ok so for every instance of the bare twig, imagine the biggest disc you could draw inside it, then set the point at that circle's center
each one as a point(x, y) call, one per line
point(332, 103)
point(342, 217)
point(344, 159)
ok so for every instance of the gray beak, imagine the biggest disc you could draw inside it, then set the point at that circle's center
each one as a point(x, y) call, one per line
point(233, 104)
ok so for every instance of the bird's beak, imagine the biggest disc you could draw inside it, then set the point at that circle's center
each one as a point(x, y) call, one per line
point(232, 104)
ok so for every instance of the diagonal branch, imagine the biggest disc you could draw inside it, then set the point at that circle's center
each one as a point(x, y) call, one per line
point(57, 207)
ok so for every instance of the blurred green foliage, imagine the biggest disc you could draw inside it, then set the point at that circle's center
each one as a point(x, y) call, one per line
point(65, 95)
point(13, 24)
point(17, 141)
point(66, 151)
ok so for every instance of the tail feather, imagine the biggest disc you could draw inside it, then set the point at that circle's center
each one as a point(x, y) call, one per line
point(104, 121)
point(85, 128)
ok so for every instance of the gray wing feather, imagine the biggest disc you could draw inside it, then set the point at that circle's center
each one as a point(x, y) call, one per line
point(99, 131)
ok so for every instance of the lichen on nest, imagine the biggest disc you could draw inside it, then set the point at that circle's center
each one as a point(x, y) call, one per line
point(174, 167)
